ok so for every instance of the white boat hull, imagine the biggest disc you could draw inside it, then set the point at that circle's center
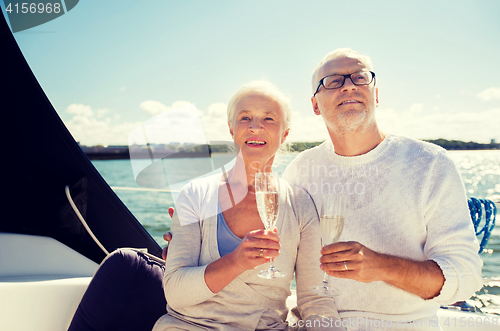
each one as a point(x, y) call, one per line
point(42, 282)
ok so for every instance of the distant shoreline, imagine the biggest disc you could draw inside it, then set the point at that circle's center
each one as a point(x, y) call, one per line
point(122, 152)
point(126, 156)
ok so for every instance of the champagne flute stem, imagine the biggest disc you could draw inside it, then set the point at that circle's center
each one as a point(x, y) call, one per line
point(272, 259)
point(325, 276)
point(325, 279)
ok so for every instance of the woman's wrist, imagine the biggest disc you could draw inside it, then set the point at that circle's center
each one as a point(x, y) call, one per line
point(232, 265)
point(221, 272)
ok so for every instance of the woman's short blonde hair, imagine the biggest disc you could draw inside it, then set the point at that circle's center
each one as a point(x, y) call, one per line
point(265, 88)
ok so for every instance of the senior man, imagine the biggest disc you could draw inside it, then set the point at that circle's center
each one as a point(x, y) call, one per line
point(408, 244)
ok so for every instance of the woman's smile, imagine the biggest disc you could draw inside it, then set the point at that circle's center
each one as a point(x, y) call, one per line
point(255, 142)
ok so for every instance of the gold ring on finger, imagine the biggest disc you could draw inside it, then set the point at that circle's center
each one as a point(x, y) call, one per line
point(261, 252)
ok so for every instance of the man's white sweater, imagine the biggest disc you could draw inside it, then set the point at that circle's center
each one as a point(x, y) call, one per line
point(405, 198)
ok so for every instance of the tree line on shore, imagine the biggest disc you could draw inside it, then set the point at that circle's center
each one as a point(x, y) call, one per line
point(118, 152)
point(462, 145)
point(446, 144)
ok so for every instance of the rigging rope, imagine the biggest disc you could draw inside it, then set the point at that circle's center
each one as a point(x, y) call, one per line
point(476, 213)
point(79, 215)
point(84, 223)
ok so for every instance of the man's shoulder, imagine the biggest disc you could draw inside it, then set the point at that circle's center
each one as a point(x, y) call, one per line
point(419, 153)
point(416, 147)
point(296, 173)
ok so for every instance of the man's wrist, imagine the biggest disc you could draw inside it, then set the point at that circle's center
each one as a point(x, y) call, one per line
point(389, 267)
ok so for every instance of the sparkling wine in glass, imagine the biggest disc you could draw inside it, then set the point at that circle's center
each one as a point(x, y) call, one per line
point(331, 225)
point(266, 194)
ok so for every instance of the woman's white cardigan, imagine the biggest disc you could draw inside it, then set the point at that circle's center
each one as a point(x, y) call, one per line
point(249, 302)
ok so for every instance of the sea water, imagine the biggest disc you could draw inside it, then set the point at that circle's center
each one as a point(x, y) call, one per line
point(480, 171)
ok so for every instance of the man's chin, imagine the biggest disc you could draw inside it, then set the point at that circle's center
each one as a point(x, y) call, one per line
point(350, 122)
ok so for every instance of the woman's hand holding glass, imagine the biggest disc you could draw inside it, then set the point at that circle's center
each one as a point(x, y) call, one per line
point(256, 248)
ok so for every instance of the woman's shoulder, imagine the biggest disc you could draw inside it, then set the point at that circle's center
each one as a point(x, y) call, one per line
point(199, 197)
point(201, 185)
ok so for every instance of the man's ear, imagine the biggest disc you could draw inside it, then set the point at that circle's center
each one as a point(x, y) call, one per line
point(314, 103)
point(376, 96)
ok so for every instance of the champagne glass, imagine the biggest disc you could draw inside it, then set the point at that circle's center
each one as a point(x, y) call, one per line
point(266, 194)
point(331, 225)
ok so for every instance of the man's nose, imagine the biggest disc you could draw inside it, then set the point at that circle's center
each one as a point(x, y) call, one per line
point(348, 85)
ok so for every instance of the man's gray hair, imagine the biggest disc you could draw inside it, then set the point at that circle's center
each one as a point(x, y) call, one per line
point(338, 53)
point(265, 88)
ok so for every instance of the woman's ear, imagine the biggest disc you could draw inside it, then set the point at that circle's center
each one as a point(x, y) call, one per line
point(285, 135)
point(230, 129)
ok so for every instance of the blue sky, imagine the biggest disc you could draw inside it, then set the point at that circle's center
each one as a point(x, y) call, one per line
point(108, 66)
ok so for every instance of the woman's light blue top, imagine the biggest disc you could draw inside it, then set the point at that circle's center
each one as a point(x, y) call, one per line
point(227, 241)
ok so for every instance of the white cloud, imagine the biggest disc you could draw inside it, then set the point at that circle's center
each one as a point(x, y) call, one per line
point(417, 121)
point(416, 108)
point(153, 108)
point(307, 128)
point(91, 131)
point(492, 93)
point(180, 103)
point(101, 112)
point(214, 122)
point(79, 109)
point(466, 92)
point(217, 109)
point(422, 123)
point(89, 127)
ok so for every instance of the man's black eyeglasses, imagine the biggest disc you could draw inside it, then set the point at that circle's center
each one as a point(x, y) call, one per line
point(337, 81)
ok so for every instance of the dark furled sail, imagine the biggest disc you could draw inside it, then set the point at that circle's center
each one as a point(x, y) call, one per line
point(40, 157)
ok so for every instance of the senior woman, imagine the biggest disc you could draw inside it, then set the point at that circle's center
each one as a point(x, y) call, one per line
point(219, 243)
